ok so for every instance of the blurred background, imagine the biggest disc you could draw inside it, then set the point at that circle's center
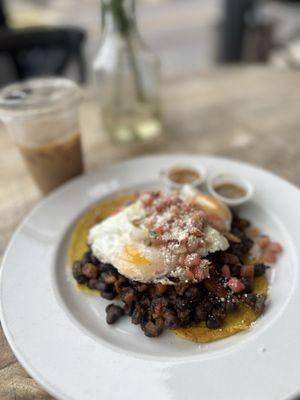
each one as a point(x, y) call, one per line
point(61, 37)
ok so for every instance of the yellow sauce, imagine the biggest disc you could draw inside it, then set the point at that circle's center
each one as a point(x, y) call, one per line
point(78, 243)
point(233, 323)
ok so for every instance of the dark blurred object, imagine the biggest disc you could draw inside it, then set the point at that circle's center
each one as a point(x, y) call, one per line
point(44, 51)
point(233, 29)
point(245, 35)
point(41, 51)
point(3, 21)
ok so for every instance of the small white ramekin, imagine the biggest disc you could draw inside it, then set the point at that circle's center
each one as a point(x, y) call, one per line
point(219, 178)
point(170, 184)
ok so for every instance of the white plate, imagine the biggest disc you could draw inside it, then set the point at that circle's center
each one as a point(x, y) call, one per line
point(61, 338)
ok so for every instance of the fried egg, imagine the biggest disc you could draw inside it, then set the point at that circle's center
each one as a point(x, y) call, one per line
point(216, 212)
point(117, 241)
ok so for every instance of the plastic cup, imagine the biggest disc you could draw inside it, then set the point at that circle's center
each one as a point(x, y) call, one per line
point(42, 117)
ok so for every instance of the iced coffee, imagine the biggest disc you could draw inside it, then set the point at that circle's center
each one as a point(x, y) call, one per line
point(42, 117)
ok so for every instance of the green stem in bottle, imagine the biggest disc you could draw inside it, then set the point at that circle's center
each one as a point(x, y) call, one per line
point(124, 26)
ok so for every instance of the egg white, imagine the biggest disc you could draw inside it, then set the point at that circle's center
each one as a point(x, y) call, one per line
point(117, 241)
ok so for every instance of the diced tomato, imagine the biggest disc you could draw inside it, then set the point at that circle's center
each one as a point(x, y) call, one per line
point(264, 242)
point(269, 257)
point(161, 229)
point(193, 243)
point(236, 285)
point(253, 231)
point(159, 241)
point(231, 258)
point(181, 259)
point(247, 271)
point(200, 273)
point(226, 271)
point(192, 260)
point(146, 199)
point(231, 237)
point(195, 231)
point(184, 241)
point(215, 287)
point(275, 247)
point(174, 210)
point(189, 275)
point(162, 204)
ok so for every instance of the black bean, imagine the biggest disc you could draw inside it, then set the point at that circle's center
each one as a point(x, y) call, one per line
point(151, 329)
point(260, 269)
point(171, 320)
point(77, 269)
point(250, 299)
point(93, 284)
point(207, 305)
point(141, 287)
point(192, 294)
point(235, 270)
point(108, 267)
point(82, 279)
point(123, 281)
point(108, 277)
point(247, 243)
point(137, 315)
point(86, 258)
point(260, 303)
point(240, 223)
point(248, 286)
point(129, 296)
point(128, 309)
point(145, 302)
point(113, 313)
point(200, 313)
point(159, 304)
point(90, 271)
point(103, 286)
point(214, 300)
point(181, 288)
point(94, 259)
point(108, 295)
point(231, 307)
point(181, 303)
point(213, 322)
point(184, 317)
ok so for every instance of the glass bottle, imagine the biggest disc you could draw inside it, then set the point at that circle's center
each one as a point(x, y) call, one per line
point(126, 77)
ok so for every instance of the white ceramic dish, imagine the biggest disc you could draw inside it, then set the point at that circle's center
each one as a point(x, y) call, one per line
point(170, 184)
point(61, 338)
point(217, 179)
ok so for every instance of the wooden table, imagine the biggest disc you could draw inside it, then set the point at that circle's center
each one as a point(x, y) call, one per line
point(249, 113)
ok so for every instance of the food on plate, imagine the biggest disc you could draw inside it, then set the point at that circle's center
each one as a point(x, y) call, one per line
point(176, 260)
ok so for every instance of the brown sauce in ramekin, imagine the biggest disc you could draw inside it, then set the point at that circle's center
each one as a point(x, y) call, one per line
point(230, 190)
point(184, 175)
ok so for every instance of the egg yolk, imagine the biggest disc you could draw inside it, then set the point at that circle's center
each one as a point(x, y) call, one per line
point(213, 208)
point(133, 256)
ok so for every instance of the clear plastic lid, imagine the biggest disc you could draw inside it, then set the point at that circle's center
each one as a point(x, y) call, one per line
point(38, 96)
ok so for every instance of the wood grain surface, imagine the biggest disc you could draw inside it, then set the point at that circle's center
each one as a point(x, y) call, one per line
point(246, 113)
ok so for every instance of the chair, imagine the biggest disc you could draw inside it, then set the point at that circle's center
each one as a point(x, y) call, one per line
point(44, 51)
point(234, 27)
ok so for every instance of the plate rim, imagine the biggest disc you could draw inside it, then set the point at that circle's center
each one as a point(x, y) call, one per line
point(9, 337)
